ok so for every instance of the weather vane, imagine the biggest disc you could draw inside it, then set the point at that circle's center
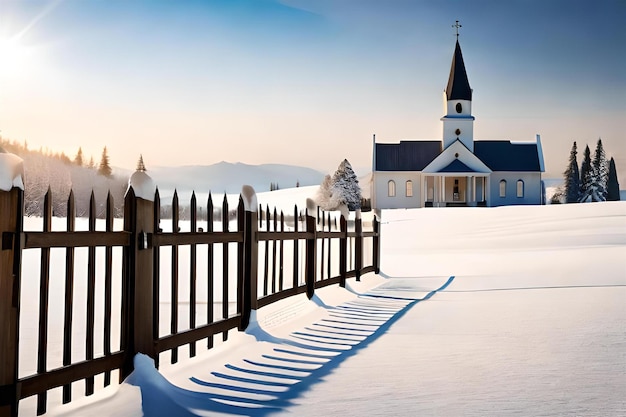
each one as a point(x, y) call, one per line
point(457, 26)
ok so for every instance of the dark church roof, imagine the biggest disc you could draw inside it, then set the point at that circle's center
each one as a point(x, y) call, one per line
point(502, 155)
point(406, 155)
point(456, 166)
point(458, 85)
point(498, 155)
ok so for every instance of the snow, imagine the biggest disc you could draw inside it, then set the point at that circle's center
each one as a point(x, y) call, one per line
point(478, 311)
point(142, 185)
point(11, 171)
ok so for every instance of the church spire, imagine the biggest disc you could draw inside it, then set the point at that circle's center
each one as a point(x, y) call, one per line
point(458, 85)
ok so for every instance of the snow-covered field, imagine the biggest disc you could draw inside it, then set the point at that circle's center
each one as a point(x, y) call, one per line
point(485, 311)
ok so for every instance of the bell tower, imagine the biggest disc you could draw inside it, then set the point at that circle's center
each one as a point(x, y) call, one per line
point(458, 122)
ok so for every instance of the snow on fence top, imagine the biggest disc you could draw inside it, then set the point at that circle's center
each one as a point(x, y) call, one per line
point(142, 185)
point(11, 171)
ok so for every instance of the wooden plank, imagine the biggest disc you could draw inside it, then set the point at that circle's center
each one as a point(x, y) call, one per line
point(69, 295)
point(156, 273)
point(91, 295)
point(192, 274)
point(174, 278)
point(241, 220)
point(200, 238)
point(184, 337)
point(296, 252)
point(35, 384)
point(108, 278)
point(44, 284)
point(11, 223)
point(210, 270)
point(327, 282)
point(267, 247)
point(281, 295)
point(33, 240)
point(295, 235)
point(225, 220)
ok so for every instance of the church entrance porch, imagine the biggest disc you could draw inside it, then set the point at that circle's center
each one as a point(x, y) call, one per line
point(456, 190)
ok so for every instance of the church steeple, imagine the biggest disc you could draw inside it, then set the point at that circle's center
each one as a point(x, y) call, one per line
point(458, 85)
point(458, 122)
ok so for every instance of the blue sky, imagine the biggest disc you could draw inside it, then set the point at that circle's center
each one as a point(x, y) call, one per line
point(305, 82)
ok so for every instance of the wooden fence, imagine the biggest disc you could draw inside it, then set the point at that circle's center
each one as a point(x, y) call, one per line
point(266, 257)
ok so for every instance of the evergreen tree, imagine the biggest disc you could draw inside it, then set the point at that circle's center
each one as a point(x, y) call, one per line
point(91, 164)
point(612, 186)
point(324, 193)
point(104, 169)
point(572, 178)
point(78, 160)
point(346, 189)
point(589, 182)
point(600, 171)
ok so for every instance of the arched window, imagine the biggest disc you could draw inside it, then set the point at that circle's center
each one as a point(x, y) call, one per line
point(520, 188)
point(409, 188)
point(502, 188)
point(391, 188)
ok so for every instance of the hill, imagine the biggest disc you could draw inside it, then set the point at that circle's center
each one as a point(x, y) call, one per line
point(229, 177)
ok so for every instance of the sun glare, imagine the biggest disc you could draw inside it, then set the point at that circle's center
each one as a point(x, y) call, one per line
point(15, 58)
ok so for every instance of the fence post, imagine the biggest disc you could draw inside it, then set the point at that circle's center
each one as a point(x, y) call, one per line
point(311, 249)
point(343, 247)
point(138, 281)
point(358, 244)
point(248, 291)
point(376, 245)
point(11, 222)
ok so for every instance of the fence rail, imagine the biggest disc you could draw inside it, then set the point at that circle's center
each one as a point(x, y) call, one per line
point(262, 255)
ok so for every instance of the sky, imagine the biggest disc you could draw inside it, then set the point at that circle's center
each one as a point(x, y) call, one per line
point(305, 82)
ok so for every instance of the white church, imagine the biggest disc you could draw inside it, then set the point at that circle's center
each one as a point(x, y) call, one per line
point(457, 170)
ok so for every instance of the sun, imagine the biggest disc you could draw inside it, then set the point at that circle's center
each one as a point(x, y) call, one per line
point(14, 56)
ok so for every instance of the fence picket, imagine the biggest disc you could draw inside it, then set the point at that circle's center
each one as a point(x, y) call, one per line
point(210, 266)
point(44, 285)
point(174, 277)
point(192, 275)
point(69, 295)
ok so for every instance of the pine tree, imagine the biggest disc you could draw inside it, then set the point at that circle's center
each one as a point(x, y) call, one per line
point(588, 183)
point(78, 160)
point(600, 171)
point(346, 189)
point(572, 178)
point(612, 186)
point(91, 164)
point(104, 168)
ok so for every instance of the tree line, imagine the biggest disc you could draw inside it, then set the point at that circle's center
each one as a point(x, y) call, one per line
point(596, 180)
point(45, 170)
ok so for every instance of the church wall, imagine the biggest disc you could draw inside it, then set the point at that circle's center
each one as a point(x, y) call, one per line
point(381, 200)
point(532, 188)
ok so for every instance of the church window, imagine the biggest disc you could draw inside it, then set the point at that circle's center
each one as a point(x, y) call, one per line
point(503, 188)
point(520, 188)
point(391, 188)
point(459, 108)
point(409, 188)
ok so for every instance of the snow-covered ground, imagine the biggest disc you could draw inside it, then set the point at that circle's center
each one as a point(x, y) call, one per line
point(486, 311)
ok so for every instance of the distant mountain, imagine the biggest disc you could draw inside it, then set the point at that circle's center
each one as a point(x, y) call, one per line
point(229, 177)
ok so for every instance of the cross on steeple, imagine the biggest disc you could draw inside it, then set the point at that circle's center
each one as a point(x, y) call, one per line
point(457, 26)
